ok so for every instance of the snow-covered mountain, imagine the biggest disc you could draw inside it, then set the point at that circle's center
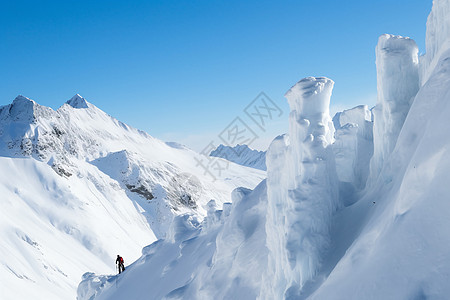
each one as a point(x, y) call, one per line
point(78, 187)
point(316, 228)
point(242, 155)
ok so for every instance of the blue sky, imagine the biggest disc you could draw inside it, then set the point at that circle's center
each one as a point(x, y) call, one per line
point(183, 70)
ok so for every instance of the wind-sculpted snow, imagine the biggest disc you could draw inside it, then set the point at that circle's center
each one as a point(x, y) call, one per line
point(302, 191)
point(402, 249)
point(397, 85)
point(353, 150)
point(241, 253)
point(437, 38)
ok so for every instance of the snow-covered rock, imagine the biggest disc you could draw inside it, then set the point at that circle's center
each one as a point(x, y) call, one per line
point(242, 155)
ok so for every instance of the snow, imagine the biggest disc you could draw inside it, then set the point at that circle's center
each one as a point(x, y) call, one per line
point(242, 155)
point(353, 150)
point(402, 250)
point(397, 84)
point(384, 236)
point(54, 228)
point(400, 247)
point(437, 38)
point(224, 260)
point(301, 190)
point(328, 222)
point(79, 187)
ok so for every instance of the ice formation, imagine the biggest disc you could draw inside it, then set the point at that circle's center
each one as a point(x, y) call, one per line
point(437, 38)
point(401, 251)
point(397, 84)
point(301, 190)
point(353, 150)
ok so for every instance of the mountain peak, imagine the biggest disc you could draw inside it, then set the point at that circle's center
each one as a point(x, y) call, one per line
point(21, 98)
point(78, 102)
point(23, 109)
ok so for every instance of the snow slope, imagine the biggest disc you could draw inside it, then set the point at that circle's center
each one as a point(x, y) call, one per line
point(79, 187)
point(54, 229)
point(295, 236)
point(217, 261)
point(242, 155)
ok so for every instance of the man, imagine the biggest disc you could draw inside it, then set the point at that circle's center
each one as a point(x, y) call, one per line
point(119, 263)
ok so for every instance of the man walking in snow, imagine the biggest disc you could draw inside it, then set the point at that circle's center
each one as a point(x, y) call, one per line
point(119, 263)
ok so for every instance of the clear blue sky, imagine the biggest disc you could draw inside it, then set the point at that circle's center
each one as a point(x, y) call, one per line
point(183, 70)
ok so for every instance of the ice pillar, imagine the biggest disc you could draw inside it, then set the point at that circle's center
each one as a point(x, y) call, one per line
point(302, 190)
point(397, 85)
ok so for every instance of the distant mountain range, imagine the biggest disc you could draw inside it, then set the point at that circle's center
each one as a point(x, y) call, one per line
point(242, 155)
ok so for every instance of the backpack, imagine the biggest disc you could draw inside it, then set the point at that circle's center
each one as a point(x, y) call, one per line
point(121, 260)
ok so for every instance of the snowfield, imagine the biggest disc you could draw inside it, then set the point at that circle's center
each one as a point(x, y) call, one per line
point(352, 208)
